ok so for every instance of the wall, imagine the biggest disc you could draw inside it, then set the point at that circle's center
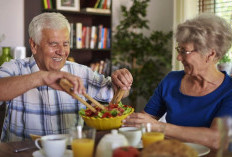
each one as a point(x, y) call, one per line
point(159, 13)
point(12, 25)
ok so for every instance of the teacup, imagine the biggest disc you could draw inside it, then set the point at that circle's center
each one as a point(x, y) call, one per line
point(52, 145)
point(132, 134)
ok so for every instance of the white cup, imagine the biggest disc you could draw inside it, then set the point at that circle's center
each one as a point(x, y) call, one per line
point(52, 145)
point(132, 134)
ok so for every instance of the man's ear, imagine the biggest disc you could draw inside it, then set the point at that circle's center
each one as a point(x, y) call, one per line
point(33, 46)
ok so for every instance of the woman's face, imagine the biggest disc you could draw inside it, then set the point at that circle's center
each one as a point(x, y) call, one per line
point(194, 62)
point(53, 50)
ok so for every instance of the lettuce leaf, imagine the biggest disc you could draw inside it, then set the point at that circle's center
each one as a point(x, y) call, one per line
point(127, 110)
point(82, 112)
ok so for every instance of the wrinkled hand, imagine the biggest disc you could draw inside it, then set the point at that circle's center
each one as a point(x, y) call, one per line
point(51, 79)
point(122, 79)
point(137, 119)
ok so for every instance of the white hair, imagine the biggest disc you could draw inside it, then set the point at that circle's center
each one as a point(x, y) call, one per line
point(46, 20)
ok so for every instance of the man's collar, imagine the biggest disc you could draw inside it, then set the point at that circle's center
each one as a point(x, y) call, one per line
point(34, 67)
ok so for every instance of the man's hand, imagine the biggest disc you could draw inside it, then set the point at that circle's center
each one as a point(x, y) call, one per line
point(52, 79)
point(122, 79)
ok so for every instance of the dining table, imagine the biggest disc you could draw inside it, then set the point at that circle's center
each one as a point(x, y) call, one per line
point(8, 149)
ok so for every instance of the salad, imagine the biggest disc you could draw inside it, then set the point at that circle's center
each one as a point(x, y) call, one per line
point(112, 110)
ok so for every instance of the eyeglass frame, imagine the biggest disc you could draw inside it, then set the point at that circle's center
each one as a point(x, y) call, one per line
point(183, 52)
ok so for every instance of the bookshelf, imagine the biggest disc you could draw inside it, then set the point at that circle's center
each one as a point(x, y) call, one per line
point(88, 18)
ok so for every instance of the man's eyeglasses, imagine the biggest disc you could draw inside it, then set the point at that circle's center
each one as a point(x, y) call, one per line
point(182, 51)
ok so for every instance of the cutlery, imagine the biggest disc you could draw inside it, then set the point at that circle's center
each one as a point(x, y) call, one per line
point(68, 87)
point(23, 149)
point(118, 96)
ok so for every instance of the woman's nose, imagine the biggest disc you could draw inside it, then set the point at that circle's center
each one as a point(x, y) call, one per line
point(179, 57)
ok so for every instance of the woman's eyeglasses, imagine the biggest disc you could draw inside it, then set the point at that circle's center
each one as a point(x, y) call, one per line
point(182, 51)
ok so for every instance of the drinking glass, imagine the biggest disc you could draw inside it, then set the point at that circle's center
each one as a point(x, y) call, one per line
point(149, 136)
point(82, 141)
point(225, 128)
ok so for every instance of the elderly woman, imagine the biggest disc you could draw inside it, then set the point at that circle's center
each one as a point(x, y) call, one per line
point(195, 97)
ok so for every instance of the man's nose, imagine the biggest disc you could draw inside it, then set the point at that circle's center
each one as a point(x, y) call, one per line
point(61, 50)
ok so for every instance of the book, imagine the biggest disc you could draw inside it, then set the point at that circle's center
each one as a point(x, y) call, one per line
point(78, 35)
point(105, 4)
point(88, 37)
point(99, 35)
point(105, 38)
point(51, 4)
point(97, 10)
point(107, 67)
point(93, 37)
point(84, 32)
point(96, 4)
point(101, 66)
point(100, 4)
point(102, 38)
point(45, 4)
point(48, 3)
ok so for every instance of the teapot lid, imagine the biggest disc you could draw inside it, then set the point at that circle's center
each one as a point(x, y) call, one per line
point(114, 137)
point(114, 134)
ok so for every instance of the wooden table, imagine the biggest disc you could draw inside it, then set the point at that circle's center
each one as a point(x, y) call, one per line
point(7, 149)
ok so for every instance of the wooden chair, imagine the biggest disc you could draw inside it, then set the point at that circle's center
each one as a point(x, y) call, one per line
point(2, 115)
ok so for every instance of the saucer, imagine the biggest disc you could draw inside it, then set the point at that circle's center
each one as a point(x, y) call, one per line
point(68, 153)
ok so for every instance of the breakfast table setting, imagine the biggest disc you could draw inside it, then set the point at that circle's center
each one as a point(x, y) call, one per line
point(27, 148)
point(104, 136)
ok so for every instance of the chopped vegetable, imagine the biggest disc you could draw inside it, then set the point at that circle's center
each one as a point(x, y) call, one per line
point(112, 110)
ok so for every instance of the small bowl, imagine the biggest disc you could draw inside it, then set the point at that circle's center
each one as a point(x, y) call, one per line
point(106, 123)
point(133, 135)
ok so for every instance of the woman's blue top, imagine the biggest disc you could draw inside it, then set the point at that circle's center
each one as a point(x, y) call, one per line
point(187, 110)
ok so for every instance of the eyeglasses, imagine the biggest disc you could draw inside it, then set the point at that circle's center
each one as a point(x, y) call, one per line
point(182, 51)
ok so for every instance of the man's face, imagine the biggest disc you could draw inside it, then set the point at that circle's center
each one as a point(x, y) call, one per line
point(53, 50)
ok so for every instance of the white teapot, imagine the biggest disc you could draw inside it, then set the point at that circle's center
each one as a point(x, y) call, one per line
point(109, 142)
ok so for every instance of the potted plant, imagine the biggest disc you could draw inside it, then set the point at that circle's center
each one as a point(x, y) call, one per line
point(225, 64)
point(148, 58)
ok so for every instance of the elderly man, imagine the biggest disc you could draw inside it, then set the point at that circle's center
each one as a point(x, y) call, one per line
point(35, 103)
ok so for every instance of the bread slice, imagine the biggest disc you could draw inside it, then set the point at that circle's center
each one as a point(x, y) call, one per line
point(168, 148)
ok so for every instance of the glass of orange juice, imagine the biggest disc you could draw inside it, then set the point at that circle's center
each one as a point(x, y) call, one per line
point(82, 141)
point(149, 136)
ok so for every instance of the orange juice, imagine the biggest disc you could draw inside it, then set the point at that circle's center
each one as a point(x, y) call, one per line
point(82, 147)
point(150, 137)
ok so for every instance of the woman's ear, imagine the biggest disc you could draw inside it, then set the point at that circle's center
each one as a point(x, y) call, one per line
point(33, 46)
point(211, 56)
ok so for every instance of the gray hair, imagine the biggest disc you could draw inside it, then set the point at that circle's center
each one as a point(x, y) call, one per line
point(46, 20)
point(206, 31)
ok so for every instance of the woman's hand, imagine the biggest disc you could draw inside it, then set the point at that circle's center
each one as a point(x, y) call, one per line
point(137, 119)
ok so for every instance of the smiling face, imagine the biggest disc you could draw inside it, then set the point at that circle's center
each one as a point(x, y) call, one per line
point(194, 63)
point(53, 50)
